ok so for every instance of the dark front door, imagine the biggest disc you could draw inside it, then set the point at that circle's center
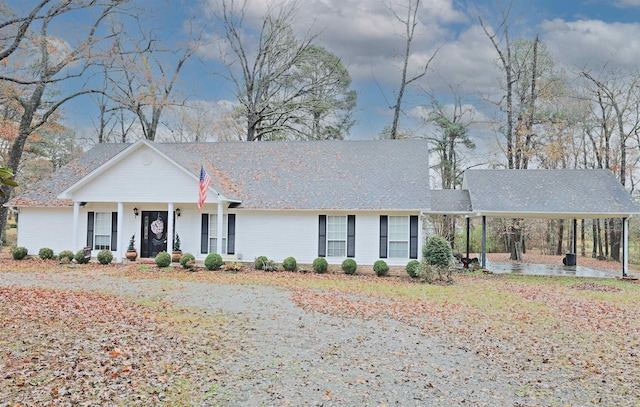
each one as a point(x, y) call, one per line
point(154, 233)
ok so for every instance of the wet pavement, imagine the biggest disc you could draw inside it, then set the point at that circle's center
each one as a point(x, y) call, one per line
point(553, 270)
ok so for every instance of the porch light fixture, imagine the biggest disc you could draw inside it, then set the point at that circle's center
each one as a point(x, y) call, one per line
point(178, 212)
point(135, 211)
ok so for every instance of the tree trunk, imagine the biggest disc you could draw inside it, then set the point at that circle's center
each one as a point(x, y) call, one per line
point(559, 251)
point(606, 239)
point(614, 231)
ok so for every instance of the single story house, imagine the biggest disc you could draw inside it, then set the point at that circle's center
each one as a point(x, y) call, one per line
point(335, 199)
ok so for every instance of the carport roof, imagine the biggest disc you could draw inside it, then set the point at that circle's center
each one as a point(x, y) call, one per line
point(580, 193)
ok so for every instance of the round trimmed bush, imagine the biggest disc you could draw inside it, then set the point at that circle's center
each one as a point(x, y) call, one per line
point(413, 268)
point(437, 251)
point(105, 256)
point(320, 265)
point(289, 264)
point(187, 261)
point(349, 266)
point(80, 259)
point(213, 261)
point(65, 256)
point(19, 253)
point(381, 268)
point(45, 253)
point(260, 262)
point(163, 259)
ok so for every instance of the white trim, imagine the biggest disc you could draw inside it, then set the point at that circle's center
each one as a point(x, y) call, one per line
point(120, 232)
point(76, 222)
point(170, 227)
point(220, 224)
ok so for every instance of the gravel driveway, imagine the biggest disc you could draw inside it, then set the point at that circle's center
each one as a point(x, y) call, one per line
point(286, 356)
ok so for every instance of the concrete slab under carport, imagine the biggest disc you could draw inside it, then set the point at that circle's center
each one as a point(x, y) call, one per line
point(552, 270)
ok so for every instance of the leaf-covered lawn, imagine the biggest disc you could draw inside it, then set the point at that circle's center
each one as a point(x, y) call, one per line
point(576, 335)
point(74, 348)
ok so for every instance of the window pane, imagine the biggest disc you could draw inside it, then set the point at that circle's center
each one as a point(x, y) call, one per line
point(399, 249)
point(336, 227)
point(336, 248)
point(398, 227)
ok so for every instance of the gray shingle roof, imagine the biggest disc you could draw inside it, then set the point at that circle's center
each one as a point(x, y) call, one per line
point(380, 174)
point(46, 191)
point(450, 201)
point(551, 193)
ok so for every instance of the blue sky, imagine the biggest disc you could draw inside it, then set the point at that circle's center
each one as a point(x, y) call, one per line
point(578, 33)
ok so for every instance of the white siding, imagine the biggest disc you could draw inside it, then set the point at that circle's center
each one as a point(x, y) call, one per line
point(45, 227)
point(278, 235)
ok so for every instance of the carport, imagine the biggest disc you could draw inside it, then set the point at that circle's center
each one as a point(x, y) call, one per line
point(540, 194)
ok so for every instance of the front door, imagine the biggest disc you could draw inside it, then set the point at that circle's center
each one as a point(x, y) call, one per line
point(154, 233)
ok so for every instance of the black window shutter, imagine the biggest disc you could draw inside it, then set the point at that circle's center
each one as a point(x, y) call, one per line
point(114, 231)
point(90, 225)
point(351, 236)
point(204, 234)
point(231, 233)
point(322, 235)
point(413, 237)
point(383, 236)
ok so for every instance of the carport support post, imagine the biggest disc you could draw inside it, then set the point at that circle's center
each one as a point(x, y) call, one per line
point(625, 246)
point(484, 241)
point(466, 265)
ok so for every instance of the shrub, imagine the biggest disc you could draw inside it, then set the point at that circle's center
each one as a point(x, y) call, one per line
point(188, 261)
point(437, 252)
point(213, 261)
point(270, 265)
point(320, 265)
point(80, 259)
point(65, 256)
point(105, 256)
point(260, 261)
point(163, 259)
point(413, 268)
point(19, 253)
point(380, 267)
point(45, 253)
point(289, 264)
point(349, 266)
point(234, 266)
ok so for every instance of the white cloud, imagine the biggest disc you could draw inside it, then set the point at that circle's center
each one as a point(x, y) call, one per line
point(592, 43)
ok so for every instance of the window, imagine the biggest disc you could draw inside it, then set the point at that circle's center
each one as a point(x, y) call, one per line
point(213, 233)
point(102, 231)
point(336, 236)
point(399, 236)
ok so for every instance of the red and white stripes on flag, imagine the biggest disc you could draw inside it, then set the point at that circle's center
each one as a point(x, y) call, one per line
point(204, 185)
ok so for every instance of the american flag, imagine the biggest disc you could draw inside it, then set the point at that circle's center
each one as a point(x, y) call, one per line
point(204, 185)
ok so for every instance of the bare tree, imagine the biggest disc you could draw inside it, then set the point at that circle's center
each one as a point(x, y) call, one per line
point(51, 64)
point(270, 73)
point(410, 22)
point(145, 74)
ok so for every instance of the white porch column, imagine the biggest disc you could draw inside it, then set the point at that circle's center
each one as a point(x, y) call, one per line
point(170, 226)
point(76, 221)
point(220, 223)
point(625, 246)
point(120, 232)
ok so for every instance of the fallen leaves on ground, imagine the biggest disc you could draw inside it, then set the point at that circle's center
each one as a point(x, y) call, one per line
point(74, 348)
